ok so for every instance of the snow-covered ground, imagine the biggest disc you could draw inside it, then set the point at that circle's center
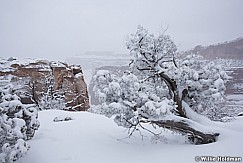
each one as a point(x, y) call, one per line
point(92, 138)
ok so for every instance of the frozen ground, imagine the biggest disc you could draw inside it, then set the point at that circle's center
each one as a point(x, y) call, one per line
point(92, 138)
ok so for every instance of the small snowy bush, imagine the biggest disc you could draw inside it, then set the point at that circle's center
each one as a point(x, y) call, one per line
point(18, 124)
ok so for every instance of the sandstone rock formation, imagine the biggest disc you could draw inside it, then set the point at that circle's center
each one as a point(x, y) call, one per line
point(41, 81)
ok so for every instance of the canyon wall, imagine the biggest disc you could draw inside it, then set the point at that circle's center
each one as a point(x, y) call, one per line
point(46, 82)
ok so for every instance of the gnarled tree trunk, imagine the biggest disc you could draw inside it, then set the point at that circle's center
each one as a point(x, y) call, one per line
point(173, 88)
point(197, 137)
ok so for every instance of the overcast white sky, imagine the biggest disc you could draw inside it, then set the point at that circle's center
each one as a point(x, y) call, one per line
point(56, 29)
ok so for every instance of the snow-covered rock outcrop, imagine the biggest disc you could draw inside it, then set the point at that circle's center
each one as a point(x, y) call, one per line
point(46, 83)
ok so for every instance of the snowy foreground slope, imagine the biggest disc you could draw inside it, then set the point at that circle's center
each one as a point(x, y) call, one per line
point(92, 138)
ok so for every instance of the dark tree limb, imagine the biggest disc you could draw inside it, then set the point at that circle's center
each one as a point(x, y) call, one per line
point(173, 87)
point(33, 93)
point(195, 136)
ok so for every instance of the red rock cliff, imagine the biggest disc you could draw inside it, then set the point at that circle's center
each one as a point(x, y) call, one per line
point(41, 80)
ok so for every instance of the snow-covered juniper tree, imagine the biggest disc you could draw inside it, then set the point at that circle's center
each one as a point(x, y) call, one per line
point(159, 89)
point(18, 123)
point(52, 100)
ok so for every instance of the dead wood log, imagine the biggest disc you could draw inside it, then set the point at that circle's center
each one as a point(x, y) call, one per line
point(195, 136)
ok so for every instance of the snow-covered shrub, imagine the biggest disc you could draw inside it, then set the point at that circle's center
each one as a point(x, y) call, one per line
point(18, 124)
point(128, 98)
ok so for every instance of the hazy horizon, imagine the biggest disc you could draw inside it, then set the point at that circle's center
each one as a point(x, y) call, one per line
point(58, 29)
